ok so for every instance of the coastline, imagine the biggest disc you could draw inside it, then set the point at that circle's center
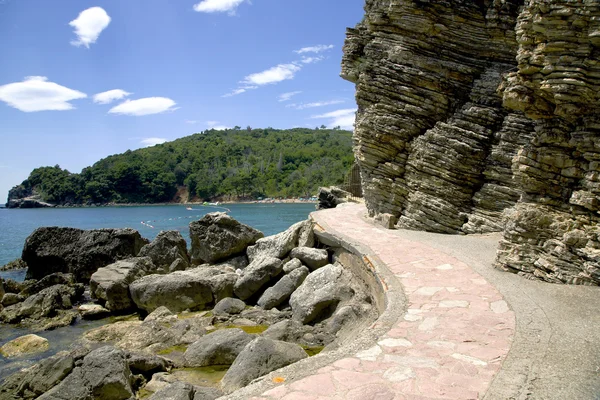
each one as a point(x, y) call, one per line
point(192, 203)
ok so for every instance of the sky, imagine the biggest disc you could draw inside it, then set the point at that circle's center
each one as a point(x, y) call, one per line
point(81, 80)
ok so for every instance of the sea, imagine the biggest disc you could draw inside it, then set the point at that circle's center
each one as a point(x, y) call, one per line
point(17, 224)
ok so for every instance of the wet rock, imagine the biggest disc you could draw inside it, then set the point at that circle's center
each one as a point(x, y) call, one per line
point(312, 258)
point(22, 345)
point(103, 375)
point(217, 348)
point(92, 311)
point(320, 293)
point(218, 236)
point(279, 245)
point(258, 358)
point(15, 264)
point(283, 289)
point(12, 286)
point(165, 250)
point(12, 298)
point(228, 306)
point(256, 275)
point(110, 284)
point(32, 287)
point(2, 291)
point(193, 289)
point(49, 250)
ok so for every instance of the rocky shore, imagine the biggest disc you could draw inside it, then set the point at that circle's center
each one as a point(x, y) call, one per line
point(195, 323)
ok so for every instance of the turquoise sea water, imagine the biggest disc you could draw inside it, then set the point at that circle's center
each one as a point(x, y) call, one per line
point(16, 225)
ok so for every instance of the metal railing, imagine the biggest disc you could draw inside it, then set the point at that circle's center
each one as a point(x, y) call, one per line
point(352, 183)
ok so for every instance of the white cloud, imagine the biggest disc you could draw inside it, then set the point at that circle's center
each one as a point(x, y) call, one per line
point(88, 26)
point(343, 118)
point(212, 6)
point(216, 126)
point(314, 49)
point(35, 93)
point(287, 96)
point(303, 106)
point(238, 91)
point(276, 74)
point(153, 141)
point(145, 106)
point(110, 96)
point(311, 60)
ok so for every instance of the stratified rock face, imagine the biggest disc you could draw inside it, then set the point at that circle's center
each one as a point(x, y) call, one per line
point(79, 252)
point(467, 108)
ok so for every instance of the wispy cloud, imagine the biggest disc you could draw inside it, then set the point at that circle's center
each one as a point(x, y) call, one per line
point(145, 106)
point(311, 60)
point(314, 49)
point(217, 126)
point(88, 26)
point(110, 96)
point(152, 141)
point(303, 106)
point(275, 74)
point(35, 93)
point(287, 96)
point(235, 92)
point(216, 6)
point(343, 118)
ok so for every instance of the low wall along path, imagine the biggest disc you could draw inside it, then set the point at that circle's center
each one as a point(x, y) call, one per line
point(450, 343)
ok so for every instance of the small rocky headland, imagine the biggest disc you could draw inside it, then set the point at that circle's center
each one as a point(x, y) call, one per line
point(178, 323)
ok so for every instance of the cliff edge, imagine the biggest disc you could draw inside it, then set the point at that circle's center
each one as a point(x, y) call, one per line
point(482, 116)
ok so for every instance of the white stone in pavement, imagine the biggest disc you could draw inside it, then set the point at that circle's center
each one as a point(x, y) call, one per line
point(412, 317)
point(499, 307)
point(369, 354)
point(469, 359)
point(399, 374)
point(411, 361)
point(441, 344)
point(428, 324)
point(394, 343)
point(428, 291)
point(444, 267)
point(454, 304)
point(452, 289)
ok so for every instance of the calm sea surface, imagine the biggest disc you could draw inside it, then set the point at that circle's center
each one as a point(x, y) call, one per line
point(16, 225)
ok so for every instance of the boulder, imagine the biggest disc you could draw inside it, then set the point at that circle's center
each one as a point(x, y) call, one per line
point(54, 249)
point(218, 236)
point(192, 289)
point(320, 293)
point(291, 265)
point(258, 358)
point(147, 364)
point(331, 197)
point(111, 332)
point(282, 290)
point(161, 313)
point(174, 391)
point(347, 315)
point(387, 220)
point(32, 287)
point(313, 258)
point(15, 264)
point(103, 375)
point(278, 245)
point(217, 348)
point(12, 286)
point(92, 311)
point(168, 247)
point(229, 305)
point(256, 275)
point(12, 298)
point(43, 304)
point(27, 344)
point(2, 291)
point(110, 284)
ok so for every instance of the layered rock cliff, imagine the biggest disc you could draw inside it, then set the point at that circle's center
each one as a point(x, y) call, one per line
point(481, 116)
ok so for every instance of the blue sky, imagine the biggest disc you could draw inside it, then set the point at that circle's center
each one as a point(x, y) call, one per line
point(81, 80)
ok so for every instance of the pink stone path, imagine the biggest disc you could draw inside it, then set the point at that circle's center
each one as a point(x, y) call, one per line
point(449, 345)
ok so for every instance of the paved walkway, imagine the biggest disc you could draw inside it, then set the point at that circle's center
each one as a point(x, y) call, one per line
point(450, 344)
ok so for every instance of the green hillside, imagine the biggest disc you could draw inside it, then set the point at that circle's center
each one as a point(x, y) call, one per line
point(236, 163)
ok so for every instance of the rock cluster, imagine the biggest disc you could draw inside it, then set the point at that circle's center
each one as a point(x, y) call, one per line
point(476, 117)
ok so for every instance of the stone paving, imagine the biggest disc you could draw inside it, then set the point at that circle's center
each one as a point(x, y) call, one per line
point(450, 343)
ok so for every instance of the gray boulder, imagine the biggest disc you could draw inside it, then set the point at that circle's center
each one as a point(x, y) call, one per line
point(291, 265)
point(313, 258)
point(147, 364)
point(320, 293)
point(111, 283)
point(92, 311)
point(228, 306)
point(175, 391)
point(218, 236)
point(217, 348)
point(256, 275)
point(283, 289)
point(103, 375)
point(258, 358)
point(32, 286)
point(54, 249)
point(192, 289)
point(10, 299)
point(168, 247)
point(278, 245)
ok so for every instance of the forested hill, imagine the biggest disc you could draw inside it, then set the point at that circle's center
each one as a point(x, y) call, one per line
point(248, 163)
